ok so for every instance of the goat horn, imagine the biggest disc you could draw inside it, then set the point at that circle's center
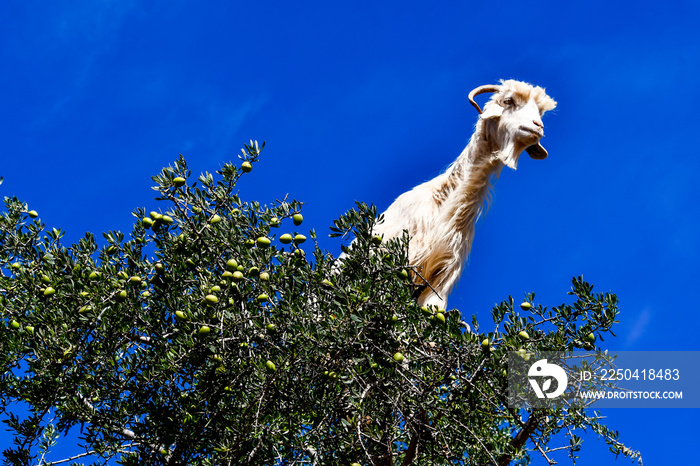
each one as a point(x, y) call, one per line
point(482, 90)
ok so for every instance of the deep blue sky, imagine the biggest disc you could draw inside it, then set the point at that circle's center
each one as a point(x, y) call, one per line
point(363, 102)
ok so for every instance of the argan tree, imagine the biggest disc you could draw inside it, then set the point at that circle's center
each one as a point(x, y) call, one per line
point(217, 333)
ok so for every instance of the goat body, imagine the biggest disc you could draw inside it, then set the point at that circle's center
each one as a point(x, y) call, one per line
point(440, 214)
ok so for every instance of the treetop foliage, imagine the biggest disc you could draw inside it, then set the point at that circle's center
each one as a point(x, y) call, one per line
point(217, 333)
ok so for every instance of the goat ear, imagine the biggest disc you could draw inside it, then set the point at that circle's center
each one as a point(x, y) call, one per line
point(537, 151)
point(492, 111)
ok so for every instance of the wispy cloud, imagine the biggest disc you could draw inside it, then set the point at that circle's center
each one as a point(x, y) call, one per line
point(95, 22)
point(62, 46)
point(639, 327)
point(224, 120)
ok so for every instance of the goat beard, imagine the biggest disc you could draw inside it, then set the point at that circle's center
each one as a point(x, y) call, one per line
point(510, 154)
point(505, 146)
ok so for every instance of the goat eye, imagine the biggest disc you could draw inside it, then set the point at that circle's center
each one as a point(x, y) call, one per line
point(508, 101)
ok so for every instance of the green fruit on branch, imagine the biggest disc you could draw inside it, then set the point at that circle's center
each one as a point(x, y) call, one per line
point(238, 275)
point(524, 354)
point(246, 167)
point(297, 219)
point(440, 317)
point(270, 366)
point(264, 276)
point(286, 238)
point(135, 280)
point(298, 239)
point(121, 296)
point(263, 298)
point(49, 291)
point(33, 214)
point(167, 219)
point(524, 335)
point(231, 264)
point(376, 240)
point(203, 331)
point(486, 344)
point(253, 271)
point(179, 181)
point(590, 338)
point(398, 357)
point(210, 299)
point(14, 324)
point(179, 315)
point(263, 242)
point(215, 219)
point(525, 306)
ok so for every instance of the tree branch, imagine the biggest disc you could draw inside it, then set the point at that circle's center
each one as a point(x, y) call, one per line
point(520, 438)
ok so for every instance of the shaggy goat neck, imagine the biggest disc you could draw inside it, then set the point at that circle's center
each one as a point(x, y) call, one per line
point(468, 182)
point(460, 198)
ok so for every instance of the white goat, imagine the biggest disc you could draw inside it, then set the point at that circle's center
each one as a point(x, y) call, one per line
point(440, 214)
